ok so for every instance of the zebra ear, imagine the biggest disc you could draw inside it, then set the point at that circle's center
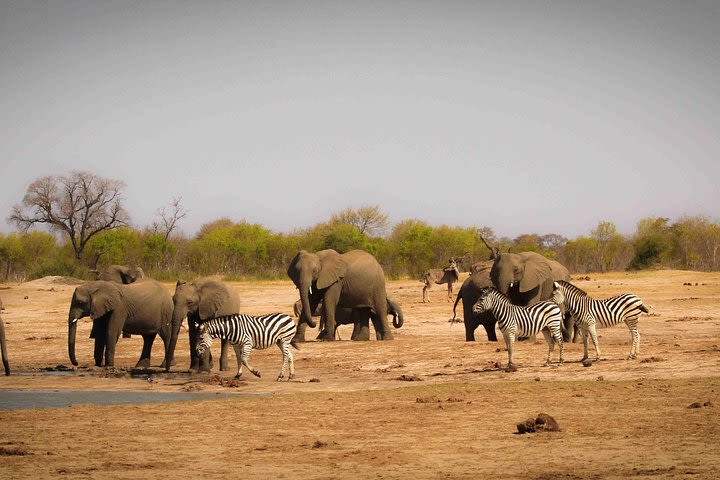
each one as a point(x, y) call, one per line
point(556, 285)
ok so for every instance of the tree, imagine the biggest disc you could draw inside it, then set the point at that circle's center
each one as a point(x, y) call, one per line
point(168, 218)
point(369, 219)
point(79, 205)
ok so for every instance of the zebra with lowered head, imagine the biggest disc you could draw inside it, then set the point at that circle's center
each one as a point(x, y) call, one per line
point(589, 313)
point(246, 332)
point(520, 321)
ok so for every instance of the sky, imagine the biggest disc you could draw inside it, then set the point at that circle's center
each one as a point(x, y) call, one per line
point(525, 117)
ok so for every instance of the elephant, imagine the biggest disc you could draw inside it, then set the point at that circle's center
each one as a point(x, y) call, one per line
point(448, 275)
point(3, 345)
point(470, 293)
point(347, 316)
point(142, 308)
point(200, 301)
point(120, 274)
point(527, 278)
point(353, 279)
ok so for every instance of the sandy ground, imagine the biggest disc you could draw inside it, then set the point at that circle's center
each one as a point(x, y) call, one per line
point(426, 405)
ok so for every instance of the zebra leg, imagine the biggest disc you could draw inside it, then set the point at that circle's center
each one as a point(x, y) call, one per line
point(238, 355)
point(585, 335)
point(635, 349)
point(283, 345)
point(246, 347)
point(510, 342)
point(593, 335)
point(551, 345)
point(559, 339)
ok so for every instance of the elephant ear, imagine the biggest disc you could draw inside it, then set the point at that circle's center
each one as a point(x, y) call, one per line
point(104, 298)
point(536, 272)
point(213, 298)
point(332, 268)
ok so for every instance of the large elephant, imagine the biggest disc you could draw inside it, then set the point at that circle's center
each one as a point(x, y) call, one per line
point(3, 346)
point(120, 274)
point(199, 301)
point(469, 293)
point(142, 308)
point(527, 278)
point(347, 316)
point(352, 280)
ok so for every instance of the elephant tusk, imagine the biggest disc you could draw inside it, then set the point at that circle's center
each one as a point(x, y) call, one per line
point(310, 289)
point(74, 320)
point(511, 284)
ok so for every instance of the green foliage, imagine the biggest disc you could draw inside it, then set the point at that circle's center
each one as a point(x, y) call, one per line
point(652, 243)
point(119, 246)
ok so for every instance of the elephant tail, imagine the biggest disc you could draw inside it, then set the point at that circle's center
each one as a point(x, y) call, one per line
point(459, 296)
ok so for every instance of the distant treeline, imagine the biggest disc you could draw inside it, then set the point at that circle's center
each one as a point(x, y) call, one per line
point(252, 251)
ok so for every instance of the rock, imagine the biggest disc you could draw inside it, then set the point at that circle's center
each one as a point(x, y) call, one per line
point(695, 405)
point(542, 423)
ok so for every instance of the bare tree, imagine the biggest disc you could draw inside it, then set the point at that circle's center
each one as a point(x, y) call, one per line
point(79, 205)
point(169, 216)
point(368, 219)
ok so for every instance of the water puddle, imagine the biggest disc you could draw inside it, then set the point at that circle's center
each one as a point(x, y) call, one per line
point(20, 399)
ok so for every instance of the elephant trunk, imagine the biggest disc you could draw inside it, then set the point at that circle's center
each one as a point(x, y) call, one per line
point(178, 317)
point(398, 318)
point(305, 300)
point(72, 330)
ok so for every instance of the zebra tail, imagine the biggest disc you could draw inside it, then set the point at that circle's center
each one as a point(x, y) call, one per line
point(295, 345)
point(644, 308)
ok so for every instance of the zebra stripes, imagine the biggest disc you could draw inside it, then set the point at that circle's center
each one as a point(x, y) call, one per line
point(590, 313)
point(246, 332)
point(515, 320)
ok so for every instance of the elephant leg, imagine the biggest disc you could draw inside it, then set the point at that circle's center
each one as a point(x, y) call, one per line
point(361, 328)
point(488, 322)
point(471, 323)
point(300, 332)
point(379, 318)
point(330, 301)
point(114, 330)
point(99, 333)
point(224, 347)
point(3, 346)
point(148, 341)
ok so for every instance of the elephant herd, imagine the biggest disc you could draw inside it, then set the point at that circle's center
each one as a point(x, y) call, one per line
point(347, 288)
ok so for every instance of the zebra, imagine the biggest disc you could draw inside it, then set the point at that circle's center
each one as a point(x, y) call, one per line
point(246, 332)
point(589, 312)
point(516, 320)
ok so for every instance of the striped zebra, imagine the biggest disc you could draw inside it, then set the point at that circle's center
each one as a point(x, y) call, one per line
point(515, 320)
point(246, 332)
point(589, 313)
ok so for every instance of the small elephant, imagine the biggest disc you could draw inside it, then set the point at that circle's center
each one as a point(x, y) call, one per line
point(3, 346)
point(449, 275)
point(142, 308)
point(120, 274)
point(470, 292)
point(200, 301)
point(359, 320)
point(351, 280)
point(527, 278)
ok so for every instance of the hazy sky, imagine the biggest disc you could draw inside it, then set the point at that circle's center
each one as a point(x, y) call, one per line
point(527, 117)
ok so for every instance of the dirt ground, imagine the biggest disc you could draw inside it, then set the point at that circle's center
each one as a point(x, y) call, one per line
point(426, 405)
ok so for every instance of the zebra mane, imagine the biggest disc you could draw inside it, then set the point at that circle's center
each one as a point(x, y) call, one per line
point(578, 291)
point(487, 290)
